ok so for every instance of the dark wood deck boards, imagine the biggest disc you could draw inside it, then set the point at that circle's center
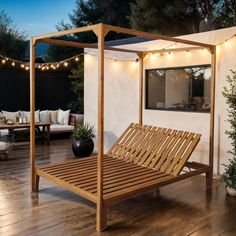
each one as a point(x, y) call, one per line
point(183, 208)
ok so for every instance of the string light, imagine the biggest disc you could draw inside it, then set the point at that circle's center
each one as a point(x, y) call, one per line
point(65, 63)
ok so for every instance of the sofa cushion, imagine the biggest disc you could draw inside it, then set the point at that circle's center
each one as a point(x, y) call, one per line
point(27, 115)
point(63, 117)
point(44, 116)
point(3, 146)
point(61, 128)
point(11, 115)
point(53, 116)
point(4, 132)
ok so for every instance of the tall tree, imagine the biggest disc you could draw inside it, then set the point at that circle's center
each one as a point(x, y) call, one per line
point(12, 40)
point(226, 16)
point(175, 18)
point(88, 12)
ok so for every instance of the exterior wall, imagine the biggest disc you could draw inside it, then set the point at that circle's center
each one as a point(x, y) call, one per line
point(121, 99)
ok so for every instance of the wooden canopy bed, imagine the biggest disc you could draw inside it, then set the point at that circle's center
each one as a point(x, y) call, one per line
point(144, 158)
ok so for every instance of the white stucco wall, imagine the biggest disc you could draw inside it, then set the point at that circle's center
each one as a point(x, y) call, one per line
point(121, 99)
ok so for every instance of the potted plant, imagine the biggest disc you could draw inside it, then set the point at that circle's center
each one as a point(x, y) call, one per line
point(83, 144)
point(229, 175)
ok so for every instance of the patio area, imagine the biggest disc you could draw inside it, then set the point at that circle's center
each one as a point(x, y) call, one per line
point(120, 128)
point(55, 211)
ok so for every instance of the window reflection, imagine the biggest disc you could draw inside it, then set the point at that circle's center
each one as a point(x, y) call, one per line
point(186, 89)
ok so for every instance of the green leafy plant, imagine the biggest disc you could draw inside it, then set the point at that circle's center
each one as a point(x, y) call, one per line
point(229, 176)
point(77, 87)
point(229, 92)
point(83, 132)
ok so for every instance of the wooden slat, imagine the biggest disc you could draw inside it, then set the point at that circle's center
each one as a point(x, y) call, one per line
point(137, 142)
point(144, 151)
point(126, 146)
point(119, 139)
point(161, 139)
point(153, 147)
point(186, 155)
point(180, 153)
point(173, 140)
point(173, 152)
point(125, 139)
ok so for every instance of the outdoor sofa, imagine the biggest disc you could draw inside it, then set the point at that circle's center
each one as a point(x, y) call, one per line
point(61, 121)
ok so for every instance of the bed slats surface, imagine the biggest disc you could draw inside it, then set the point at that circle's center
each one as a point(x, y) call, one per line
point(119, 177)
point(156, 148)
point(143, 158)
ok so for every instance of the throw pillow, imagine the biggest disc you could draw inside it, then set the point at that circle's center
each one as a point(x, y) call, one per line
point(53, 116)
point(63, 117)
point(44, 116)
point(27, 115)
point(11, 115)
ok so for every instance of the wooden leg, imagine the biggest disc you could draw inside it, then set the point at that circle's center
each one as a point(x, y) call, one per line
point(35, 187)
point(101, 217)
point(209, 179)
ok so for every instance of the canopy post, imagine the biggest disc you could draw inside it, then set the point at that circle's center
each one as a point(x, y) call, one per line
point(141, 57)
point(32, 116)
point(101, 206)
point(209, 175)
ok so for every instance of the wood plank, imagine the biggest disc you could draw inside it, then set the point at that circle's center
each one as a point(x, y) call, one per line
point(173, 152)
point(186, 155)
point(179, 153)
point(66, 185)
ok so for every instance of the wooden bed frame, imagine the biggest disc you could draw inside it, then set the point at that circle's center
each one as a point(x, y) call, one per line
point(143, 158)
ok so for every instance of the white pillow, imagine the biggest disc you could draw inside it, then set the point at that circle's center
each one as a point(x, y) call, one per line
point(53, 116)
point(27, 115)
point(44, 116)
point(11, 115)
point(63, 117)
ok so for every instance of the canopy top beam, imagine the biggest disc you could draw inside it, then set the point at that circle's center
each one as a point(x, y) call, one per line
point(46, 38)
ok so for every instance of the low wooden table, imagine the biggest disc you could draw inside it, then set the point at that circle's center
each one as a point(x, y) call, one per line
point(44, 132)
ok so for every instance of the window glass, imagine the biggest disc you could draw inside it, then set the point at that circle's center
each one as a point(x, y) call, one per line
point(186, 89)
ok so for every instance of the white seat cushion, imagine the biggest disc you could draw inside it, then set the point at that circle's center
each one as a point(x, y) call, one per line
point(3, 146)
point(58, 128)
point(4, 132)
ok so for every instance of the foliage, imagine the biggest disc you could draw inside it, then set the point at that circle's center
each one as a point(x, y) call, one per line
point(83, 132)
point(182, 16)
point(229, 176)
point(229, 92)
point(175, 18)
point(226, 16)
point(77, 87)
point(88, 12)
point(59, 53)
point(12, 40)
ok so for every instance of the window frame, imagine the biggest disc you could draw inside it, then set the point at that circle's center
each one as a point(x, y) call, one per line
point(171, 68)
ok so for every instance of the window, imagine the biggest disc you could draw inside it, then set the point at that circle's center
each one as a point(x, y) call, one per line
point(179, 89)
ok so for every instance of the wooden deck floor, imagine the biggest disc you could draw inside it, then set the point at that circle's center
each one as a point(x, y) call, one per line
point(182, 208)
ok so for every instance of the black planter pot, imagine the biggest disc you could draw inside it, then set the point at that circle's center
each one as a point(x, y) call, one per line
point(82, 148)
